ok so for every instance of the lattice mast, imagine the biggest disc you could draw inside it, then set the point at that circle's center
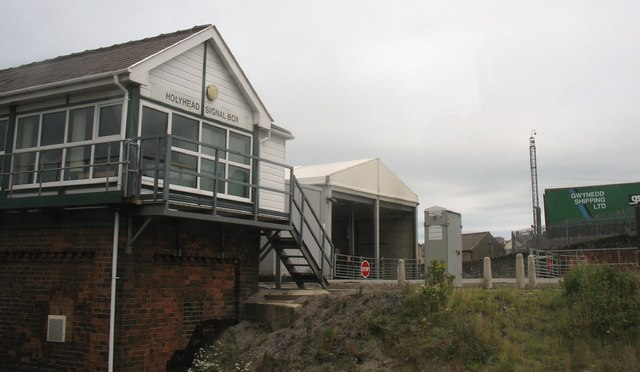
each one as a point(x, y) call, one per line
point(537, 226)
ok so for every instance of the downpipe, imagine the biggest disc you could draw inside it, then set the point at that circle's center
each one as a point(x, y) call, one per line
point(114, 278)
point(116, 233)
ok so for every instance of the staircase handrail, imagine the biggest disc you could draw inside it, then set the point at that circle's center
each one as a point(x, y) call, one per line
point(320, 242)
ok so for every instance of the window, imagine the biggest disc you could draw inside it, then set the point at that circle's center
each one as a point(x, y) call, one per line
point(187, 128)
point(3, 134)
point(23, 167)
point(77, 163)
point(27, 132)
point(154, 125)
point(239, 144)
point(80, 125)
point(52, 132)
point(203, 155)
point(67, 145)
point(3, 142)
point(214, 137)
point(110, 120)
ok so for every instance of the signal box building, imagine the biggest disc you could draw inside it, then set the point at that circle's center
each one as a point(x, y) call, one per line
point(136, 183)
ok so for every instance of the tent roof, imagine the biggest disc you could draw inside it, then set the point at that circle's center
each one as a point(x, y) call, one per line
point(368, 176)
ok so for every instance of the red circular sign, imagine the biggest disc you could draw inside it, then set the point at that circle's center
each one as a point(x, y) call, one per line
point(365, 269)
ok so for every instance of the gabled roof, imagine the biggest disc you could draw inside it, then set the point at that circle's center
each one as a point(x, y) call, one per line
point(103, 61)
point(471, 240)
point(368, 176)
point(326, 170)
point(132, 61)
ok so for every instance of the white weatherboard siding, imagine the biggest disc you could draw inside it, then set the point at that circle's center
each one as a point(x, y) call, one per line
point(230, 98)
point(181, 74)
point(271, 175)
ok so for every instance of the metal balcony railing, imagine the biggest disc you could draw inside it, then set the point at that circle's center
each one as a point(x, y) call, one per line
point(173, 172)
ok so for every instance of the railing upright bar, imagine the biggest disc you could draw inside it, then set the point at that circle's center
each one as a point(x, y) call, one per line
point(216, 162)
point(254, 188)
point(167, 171)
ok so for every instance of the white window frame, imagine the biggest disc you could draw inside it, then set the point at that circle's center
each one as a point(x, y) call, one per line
point(148, 181)
point(64, 146)
point(3, 149)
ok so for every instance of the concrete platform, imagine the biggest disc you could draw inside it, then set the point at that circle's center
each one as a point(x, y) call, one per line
point(277, 308)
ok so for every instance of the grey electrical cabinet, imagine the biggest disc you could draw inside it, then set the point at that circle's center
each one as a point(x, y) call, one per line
point(443, 240)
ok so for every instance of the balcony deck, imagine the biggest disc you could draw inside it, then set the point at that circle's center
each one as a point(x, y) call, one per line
point(133, 175)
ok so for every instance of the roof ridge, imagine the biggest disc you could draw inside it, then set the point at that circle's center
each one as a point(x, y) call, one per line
point(107, 48)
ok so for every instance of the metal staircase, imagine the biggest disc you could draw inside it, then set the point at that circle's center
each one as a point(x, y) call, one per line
point(304, 247)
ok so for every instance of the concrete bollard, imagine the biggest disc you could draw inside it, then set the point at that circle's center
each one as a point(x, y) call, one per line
point(401, 272)
point(531, 271)
point(486, 281)
point(519, 271)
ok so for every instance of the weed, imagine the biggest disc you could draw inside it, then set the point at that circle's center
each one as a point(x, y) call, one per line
point(603, 301)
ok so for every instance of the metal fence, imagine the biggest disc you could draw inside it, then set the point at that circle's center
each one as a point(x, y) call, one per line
point(567, 233)
point(349, 267)
point(556, 263)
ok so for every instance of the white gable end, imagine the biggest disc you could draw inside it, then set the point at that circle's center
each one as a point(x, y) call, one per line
point(230, 106)
point(182, 74)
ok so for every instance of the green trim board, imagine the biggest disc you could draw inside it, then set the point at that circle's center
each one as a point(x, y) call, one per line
point(583, 203)
point(69, 200)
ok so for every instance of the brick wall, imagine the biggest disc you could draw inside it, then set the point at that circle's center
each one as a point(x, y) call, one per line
point(178, 275)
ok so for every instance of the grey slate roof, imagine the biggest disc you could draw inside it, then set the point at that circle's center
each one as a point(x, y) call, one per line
point(113, 59)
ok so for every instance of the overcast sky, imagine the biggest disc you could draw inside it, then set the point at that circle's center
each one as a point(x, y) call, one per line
point(445, 93)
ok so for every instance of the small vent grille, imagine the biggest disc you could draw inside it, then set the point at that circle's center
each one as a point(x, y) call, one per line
point(56, 328)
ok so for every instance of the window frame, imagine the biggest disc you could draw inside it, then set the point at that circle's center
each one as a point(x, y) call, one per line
point(201, 155)
point(66, 146)
point(3, 146)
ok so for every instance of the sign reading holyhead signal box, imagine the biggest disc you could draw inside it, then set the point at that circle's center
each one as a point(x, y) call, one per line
point(365, 269)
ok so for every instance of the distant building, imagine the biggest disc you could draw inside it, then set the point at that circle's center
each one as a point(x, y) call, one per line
point(478, 245)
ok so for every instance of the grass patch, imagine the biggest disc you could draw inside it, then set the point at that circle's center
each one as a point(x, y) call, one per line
point(591, 323)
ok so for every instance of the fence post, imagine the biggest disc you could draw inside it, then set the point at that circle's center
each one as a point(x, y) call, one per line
point(486, 281)
point(519, 271)
point(401, 272)
point(531, 271)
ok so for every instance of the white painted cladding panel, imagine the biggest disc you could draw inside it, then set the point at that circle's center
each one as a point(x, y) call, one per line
point(271, 175)
point(230, 96)
point(182, 74)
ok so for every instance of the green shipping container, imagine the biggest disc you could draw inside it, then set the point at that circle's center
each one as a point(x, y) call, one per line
point(586, 202)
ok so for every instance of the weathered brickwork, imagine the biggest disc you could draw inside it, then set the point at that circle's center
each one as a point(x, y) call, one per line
point(178, 275)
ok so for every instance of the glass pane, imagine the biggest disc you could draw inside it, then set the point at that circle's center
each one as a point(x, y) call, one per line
point(27, 135)
point(183, 169)
point(23, 167)
point(105, 159)
point(154, 123)
point(3, 134)
point(215, 137)
point(53, 128)
point(110, 120)
point(77, 163)
point(187, 128)
point(239, 175)
point(241, 144)
point(206, 181)
point(50, 165)
point(80, 125)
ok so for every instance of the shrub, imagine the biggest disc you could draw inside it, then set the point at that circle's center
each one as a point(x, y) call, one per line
point(602, 301)
point(437, 273)
point(432, 296)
